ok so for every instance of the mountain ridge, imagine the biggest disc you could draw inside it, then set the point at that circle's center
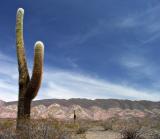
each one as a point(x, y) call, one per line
point(98, 109)
point(102, 103)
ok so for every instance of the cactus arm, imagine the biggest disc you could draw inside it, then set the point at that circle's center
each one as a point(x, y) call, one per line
point(36, 78)
point(22, 64)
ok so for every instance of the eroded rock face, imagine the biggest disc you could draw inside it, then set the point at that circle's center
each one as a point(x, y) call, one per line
point(38, 111)
point(65, 113)
point(64, 110)
point(8, 111)
point(2, 103)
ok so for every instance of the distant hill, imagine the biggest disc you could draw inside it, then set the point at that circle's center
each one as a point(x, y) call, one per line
point(99, 109)
point(102, 103)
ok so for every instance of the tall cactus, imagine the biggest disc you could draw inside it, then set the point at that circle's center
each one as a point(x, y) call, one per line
point(28, 88)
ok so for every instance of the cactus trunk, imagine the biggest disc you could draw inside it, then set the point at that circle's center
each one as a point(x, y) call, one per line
point(28, 88)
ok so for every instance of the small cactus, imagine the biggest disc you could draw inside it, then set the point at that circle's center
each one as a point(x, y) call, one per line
point(28, 88)
point(75, 117)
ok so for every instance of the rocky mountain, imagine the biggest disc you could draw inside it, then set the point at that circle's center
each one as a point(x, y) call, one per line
point(99, 109)
point(2, 103)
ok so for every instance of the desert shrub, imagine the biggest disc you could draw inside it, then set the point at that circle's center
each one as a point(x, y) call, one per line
point(8, 134)
point(5, 124)
point(71, 126)
point(81, 130)
point(7, 129)
point(131, 129)
point(155, 123)
point(83, 126)
point(131, 133)
point(38, 129)
point(155, 135)
point(150, 122)
point(46, 129)
point(109, 124)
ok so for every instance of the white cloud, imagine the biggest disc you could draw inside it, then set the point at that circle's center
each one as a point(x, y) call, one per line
point(139, 66)
point(8, 91)
point(68, 84)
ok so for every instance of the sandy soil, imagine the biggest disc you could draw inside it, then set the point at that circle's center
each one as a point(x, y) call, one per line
point(102, 135)
point(99, 133)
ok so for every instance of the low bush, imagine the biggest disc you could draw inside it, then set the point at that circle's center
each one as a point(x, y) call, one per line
point(81, 130)
point(109, 124)
point(131, 133)
point(38, 129)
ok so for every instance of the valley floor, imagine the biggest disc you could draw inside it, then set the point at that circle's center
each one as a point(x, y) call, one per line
point(99, 133)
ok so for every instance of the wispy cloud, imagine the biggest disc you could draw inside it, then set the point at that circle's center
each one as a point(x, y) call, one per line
point(8, 78)
point(147, 22)
point(139, 68)
point(66, 84)
point(139, 64)
point(59, 83)
point(8, 91)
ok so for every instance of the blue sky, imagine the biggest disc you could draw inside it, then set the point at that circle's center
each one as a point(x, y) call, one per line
point(93, 49)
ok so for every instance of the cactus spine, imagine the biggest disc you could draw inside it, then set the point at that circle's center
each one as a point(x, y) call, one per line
point(28, 88)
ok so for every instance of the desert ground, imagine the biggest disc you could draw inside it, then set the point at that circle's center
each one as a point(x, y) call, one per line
point(98, 119)
point(98, 132)
point(82, 129)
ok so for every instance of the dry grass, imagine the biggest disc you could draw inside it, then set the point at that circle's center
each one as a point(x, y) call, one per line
point(52, 129)
point(35, 129)
point(109, 124)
